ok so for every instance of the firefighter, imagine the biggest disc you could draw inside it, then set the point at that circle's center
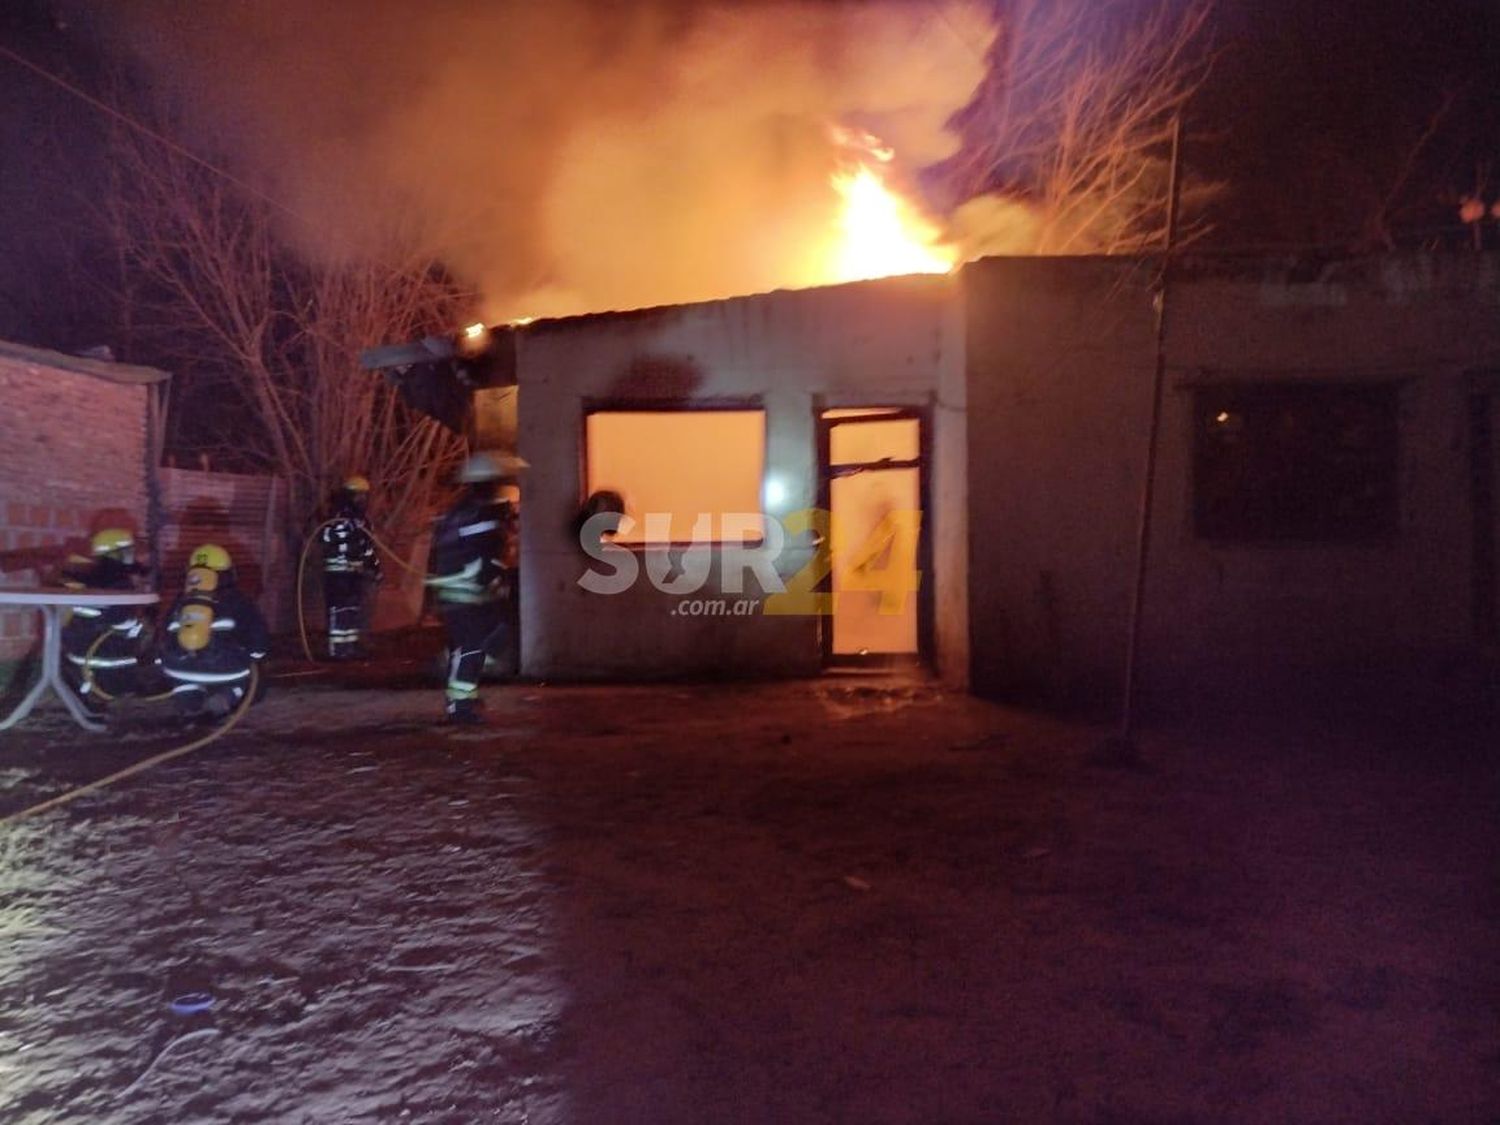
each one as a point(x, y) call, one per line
point(103, 645)
point(470, 576)
point(350, 564)
point(214, 637)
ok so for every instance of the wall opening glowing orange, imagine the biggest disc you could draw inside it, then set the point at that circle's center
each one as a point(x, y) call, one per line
point(874, 470)
point(681, 472)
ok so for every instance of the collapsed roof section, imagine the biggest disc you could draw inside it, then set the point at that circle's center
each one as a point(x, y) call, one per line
point(438, 375)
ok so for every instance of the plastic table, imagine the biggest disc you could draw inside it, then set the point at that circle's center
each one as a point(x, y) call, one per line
point(48, 600)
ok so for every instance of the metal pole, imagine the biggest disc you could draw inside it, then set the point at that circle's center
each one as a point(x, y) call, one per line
point(1148, 484)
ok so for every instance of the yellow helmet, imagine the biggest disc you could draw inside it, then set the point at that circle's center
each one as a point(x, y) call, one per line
point(111, 541)
point(357, 483)
point(212, 556)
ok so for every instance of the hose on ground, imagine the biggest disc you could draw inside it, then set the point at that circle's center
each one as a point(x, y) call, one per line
point(90, 687)
point(140, 767)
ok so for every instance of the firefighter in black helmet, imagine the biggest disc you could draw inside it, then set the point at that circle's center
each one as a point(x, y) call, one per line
point(350, 564)
point(470, 578)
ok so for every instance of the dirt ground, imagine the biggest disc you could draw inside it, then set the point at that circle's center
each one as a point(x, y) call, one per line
point(850, 900)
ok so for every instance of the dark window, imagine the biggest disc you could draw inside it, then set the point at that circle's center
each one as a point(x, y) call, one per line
point(1295, 462)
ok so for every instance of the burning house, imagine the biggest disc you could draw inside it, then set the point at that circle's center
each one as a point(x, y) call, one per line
point(1325, 487)
point(846, 400)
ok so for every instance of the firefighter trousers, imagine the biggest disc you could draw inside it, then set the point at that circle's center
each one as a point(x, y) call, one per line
point(473, 632)
point(344, 595)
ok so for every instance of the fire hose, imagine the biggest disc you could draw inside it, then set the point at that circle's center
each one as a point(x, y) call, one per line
point(92, 688)
point(212, 736)
point(251, 687)
point(140, 767)
point(307, 547)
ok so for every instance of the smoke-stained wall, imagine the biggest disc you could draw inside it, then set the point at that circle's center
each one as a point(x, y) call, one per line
point(884, 343)
point(1037, 376)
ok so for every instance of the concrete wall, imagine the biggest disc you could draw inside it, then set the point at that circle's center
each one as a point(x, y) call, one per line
point(894, 342)
point(72, 452)
point(1060, 364)
point(949, 500)
point(1061, 356)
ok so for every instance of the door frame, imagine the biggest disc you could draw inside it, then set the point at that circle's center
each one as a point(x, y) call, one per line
point(882, 412)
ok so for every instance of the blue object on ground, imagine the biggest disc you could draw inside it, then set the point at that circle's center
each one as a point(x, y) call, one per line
point(190, 1003)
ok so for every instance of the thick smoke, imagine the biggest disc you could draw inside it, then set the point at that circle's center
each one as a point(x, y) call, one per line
point(563, 156)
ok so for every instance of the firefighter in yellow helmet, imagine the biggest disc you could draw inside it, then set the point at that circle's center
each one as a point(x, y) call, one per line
point(103, 646)
point(351, 565)
point(214, 636)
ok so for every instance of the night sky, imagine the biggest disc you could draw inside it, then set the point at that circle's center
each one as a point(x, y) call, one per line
point(1315, 104)
point(1310, 112)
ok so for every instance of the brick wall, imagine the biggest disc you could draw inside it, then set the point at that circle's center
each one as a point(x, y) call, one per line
point(244, 515)
point(72, 453)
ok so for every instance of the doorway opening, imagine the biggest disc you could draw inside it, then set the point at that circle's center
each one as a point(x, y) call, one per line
point(873, 462)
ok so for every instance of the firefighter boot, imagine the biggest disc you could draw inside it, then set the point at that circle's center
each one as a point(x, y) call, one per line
point(465, 712)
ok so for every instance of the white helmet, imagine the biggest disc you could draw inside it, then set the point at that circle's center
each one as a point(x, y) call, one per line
point(487, 465)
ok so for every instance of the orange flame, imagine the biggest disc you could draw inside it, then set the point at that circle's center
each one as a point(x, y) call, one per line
point(880, 234)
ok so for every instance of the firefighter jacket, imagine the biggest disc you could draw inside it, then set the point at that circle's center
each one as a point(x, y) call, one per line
point(348, 547)
point(213, 637)
point(469, 545)
point(102, 574)
point(86, 624)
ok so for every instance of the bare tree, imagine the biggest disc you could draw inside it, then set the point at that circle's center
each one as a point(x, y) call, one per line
point(266, 340)
point(1393, 196)
point(1066, 146)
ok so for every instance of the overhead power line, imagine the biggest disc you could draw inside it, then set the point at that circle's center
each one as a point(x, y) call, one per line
point(147, 131)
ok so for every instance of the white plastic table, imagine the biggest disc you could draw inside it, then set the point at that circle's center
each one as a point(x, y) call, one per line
point(48, 600)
